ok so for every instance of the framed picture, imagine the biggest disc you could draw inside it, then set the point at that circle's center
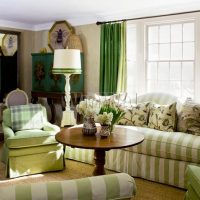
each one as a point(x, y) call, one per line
point(9, 44)
point(58, 35)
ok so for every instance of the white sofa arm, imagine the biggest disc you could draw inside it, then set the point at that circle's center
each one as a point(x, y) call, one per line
point(114, 186)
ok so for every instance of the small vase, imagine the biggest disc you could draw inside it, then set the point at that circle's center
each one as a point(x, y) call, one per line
point(89, 126)
point(105, 130)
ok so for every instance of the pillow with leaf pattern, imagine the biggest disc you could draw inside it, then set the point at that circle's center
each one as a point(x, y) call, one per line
point(163, 117)
point(136, 115)
point(189, 118)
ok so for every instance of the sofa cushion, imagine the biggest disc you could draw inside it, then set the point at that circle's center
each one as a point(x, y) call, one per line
point(162, 117)
point(28, 116)
point(172, 145)
point(189, 119)
point(136, 115)
point(30, 138)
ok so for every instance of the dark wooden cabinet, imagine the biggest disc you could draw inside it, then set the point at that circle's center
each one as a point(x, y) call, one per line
point(44, 81)
point(8, 74)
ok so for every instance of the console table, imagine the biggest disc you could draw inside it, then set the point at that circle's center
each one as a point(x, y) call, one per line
point(56, 97)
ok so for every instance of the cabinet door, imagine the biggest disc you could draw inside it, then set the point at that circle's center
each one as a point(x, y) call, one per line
point(42, 78)
point(44, 81)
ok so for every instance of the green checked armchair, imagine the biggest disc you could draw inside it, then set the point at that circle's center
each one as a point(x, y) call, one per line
point(29, 141)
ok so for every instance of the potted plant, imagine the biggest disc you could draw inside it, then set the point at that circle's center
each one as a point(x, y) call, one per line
point(105, 120)
point(89, 108)
point(111, 107)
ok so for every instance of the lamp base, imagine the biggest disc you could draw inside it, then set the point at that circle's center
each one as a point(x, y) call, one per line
point(68, 118)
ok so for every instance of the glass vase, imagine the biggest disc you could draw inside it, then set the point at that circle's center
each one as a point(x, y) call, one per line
point(105, 130)
point(89, 126)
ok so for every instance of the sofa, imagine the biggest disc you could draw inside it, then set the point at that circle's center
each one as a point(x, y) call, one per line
point(114, 186)
point(193, 183)
point(162, 157)
point(29, 141)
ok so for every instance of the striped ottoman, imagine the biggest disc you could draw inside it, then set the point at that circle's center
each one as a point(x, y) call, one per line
point(114, 186)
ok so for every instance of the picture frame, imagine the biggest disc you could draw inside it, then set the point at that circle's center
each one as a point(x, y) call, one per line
point(59, 34)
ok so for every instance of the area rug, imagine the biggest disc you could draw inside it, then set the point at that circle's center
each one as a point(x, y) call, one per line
point(145, 189)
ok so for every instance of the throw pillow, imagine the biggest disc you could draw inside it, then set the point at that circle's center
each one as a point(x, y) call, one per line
point(136, 115)
point(162, 117)
point(189, 118)
point(28, 116)
point(120, 97)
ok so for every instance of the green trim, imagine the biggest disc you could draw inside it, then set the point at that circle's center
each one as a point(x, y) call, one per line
point(66, 71)
point(54, 190)
point(23, 192)
point(112, 187)
point(84, 189)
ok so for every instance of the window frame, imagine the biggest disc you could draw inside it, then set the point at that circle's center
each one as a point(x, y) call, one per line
point(141, 40)
point(158, 60)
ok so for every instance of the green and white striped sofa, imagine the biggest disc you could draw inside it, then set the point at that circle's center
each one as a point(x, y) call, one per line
point(114, 186)
point(162, 156)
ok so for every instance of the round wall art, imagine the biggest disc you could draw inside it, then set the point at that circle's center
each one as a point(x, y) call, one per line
point(9, 44)
point(58, 35)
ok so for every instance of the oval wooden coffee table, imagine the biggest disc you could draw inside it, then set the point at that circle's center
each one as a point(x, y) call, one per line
point(121, 137)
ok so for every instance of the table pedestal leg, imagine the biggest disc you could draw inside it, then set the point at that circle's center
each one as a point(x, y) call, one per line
point(99, 158)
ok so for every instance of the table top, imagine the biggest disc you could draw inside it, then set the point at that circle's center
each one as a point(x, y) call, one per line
point(121, 137)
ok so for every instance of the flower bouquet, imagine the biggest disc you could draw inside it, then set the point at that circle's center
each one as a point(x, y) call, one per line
point(89, 108)
point(110, 113)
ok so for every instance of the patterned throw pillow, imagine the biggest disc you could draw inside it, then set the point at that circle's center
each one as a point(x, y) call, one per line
point(162, 117)
point(189, 119)
point(136, 115)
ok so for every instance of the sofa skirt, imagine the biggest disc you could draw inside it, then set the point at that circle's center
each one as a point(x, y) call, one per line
point(162, 170)
point(35, 163)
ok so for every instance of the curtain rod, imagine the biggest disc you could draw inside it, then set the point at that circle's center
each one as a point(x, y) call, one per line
point(148, 17)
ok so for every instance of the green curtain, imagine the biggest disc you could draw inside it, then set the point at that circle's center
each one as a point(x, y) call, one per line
point(122, 71)
point(112, 57)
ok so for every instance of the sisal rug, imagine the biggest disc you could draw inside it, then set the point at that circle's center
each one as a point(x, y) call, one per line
point(145, 189)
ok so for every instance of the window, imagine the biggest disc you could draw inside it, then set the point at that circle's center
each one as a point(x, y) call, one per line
point(161, 58)
point(170, 59)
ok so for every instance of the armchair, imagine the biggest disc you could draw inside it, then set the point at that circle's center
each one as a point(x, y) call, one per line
point(29, 141)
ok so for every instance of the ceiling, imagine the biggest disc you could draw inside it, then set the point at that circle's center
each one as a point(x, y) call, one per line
point(40, 15)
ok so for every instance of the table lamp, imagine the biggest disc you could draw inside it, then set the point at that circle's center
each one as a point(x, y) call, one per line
point(67, 62)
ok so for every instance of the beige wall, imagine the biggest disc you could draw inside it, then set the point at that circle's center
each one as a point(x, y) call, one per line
point(90, 36)
point(26, 47)
point(27, 44)
point(33, 41)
